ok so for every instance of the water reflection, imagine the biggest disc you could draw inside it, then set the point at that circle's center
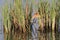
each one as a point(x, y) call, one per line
point(48, 36)
point(41, 36)
point(57, 36)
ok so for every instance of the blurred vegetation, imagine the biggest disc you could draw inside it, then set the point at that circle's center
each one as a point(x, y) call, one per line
point(17, 20)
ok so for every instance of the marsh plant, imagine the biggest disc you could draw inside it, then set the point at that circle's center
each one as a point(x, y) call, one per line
point(17, 20)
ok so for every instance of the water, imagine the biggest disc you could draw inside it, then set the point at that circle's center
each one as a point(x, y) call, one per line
point(48, 36)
